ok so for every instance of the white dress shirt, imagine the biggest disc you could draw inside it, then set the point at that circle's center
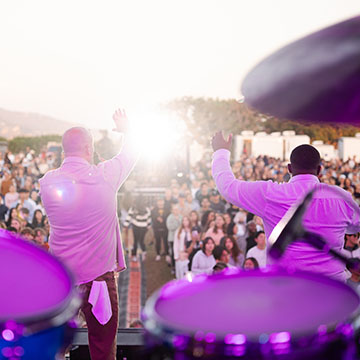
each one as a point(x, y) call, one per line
point(331, 214)
point(81, 203)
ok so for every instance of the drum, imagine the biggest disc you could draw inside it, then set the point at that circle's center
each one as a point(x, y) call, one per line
point(37, 304)
point(259, 314)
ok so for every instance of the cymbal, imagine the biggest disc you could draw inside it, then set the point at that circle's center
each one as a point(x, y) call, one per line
point(314, 79)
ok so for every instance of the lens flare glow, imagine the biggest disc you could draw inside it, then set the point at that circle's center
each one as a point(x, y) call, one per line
point(156, 134)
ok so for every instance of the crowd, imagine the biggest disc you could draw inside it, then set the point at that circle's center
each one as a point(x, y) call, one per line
point(21, 209)
point(194, 228)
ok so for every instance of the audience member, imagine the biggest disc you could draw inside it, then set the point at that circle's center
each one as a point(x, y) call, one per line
point(182, 241)
point(173, 222)
point(236, 255)
point(259, 251)
point(159, 216)
point(204, 261)
point(250, 264)
point(139, 217)
point(217, 231)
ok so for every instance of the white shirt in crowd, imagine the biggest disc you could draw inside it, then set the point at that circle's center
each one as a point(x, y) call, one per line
point(202, 263)
point(258, 254)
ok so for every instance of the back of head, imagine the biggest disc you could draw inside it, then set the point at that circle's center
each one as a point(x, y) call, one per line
point(305, 158)
point(218, 251)
point(140, 204)
point(75, 140)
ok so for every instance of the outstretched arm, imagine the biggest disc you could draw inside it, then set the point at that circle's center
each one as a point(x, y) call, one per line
point(218, 141)
point(249, 195)
point(121, 121)
point(117, 169)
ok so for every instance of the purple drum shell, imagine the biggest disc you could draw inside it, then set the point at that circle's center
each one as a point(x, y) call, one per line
point(252, 303)
point(34, 284)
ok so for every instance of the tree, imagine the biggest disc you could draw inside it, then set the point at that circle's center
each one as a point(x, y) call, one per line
point(20, 143)
point(204, 116)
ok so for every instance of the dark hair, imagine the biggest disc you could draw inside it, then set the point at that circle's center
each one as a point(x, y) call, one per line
point(254, 261)
point(205, 241)
point(27, 230)
point(25, 211)
point(205, 197)
point(11, 229)
point(235, 251)
point(219, 266)
point(205, 218)
point(34, 222)
point(230, 229)
point(23, 190)
point(305, 157)
point(8, 222)
point(218, 251)
point(258, 233)
point(139, 205)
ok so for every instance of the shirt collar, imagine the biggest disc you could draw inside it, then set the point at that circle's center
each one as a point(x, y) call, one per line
point(305, 177)
point(75, 159)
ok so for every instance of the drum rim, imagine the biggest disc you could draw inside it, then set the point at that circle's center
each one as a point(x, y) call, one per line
point(55, 315)
point(159, 327)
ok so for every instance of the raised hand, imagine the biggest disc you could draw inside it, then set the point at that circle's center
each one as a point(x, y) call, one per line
point(218, 141)
point(121, 121)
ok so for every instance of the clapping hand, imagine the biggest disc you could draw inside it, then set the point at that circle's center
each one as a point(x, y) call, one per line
point(218, 141)
point(121, 121)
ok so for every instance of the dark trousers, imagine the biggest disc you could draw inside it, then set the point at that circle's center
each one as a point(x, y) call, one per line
point(102, 338)
point(161, 237)
point(139, 237)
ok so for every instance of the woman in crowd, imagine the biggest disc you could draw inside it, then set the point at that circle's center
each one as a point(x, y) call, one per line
point(38, 219)
point(139, 217)
point(233, 231)
point(195, 244)
point(34, 196)
point(182, 241)
point(194, 221)
point(250, 264)
point(228, 220)
point(204, 261)
point(217, 231)
point(206, 220)
point(12, 196)
point(12, 214)
point(236, 255)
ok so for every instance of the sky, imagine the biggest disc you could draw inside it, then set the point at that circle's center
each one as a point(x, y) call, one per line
point(79, 60)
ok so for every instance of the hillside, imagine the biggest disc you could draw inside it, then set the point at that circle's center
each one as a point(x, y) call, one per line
point(15, 123)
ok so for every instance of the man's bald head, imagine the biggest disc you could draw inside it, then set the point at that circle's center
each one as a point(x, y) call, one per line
point(78, 141)
point(305, 159)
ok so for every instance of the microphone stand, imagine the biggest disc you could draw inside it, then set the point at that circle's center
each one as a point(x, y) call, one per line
point(318, 242)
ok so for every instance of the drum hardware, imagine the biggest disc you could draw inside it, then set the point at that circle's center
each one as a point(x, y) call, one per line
point(39, 302)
